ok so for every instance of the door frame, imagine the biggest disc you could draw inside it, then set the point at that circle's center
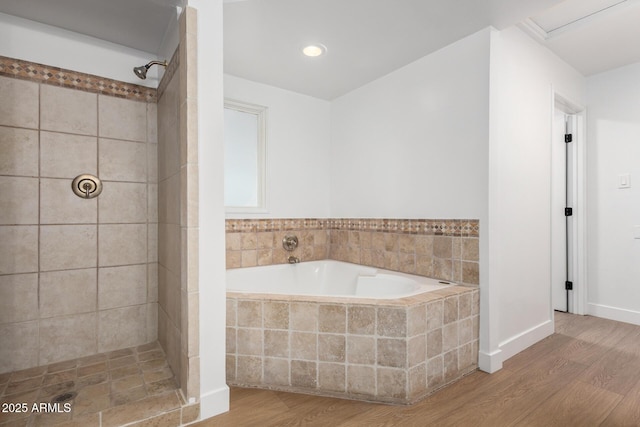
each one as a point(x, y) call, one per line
point(578, 297)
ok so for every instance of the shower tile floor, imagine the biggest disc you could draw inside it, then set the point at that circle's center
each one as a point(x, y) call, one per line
point(108, 389)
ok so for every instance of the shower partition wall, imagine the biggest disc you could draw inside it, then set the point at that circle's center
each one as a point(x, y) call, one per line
point(77, 276)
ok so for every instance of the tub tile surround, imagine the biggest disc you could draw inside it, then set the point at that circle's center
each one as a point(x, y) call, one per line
point(441, 249)
point(393, 351)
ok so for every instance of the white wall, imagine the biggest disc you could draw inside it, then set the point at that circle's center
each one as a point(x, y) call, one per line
point(614, 148)
point(48, 45)
point(214, 392)
point(298, 143)
point(523, 77)
point(413, 144)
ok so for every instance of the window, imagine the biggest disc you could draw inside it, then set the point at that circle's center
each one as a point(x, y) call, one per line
point(244, 157)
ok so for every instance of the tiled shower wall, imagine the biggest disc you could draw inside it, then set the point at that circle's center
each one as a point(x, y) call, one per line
point(178, 293)
point(442, 249)
point(77, 276)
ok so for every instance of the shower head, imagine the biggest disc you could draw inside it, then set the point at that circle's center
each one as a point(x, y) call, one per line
point(141, 71)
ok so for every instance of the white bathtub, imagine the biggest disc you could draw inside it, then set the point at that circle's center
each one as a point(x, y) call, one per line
point(329, 278)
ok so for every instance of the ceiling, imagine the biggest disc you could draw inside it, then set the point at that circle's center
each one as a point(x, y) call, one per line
point(365, 39)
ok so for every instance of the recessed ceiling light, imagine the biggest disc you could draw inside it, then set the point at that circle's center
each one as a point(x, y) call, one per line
point(314, 50)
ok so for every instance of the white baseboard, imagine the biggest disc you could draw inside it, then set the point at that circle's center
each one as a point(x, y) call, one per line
point(214, 403)
point(490, 362)
point(517, 343)
point(614, 313)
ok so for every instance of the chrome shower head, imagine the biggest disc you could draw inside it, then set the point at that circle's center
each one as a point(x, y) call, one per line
point(141, 71)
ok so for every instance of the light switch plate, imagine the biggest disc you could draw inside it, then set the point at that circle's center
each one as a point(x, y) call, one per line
point(624, 181)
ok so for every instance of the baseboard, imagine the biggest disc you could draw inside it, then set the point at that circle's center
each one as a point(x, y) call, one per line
point(214, 403)
point(614, 313)
point(490, 362)
point(516, 344)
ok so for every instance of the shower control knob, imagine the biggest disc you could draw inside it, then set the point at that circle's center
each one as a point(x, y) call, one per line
point(86, 186)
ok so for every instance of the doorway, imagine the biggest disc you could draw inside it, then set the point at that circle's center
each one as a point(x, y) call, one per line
point(568, 208)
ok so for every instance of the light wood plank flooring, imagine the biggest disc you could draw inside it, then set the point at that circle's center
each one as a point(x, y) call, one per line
point(586, 374)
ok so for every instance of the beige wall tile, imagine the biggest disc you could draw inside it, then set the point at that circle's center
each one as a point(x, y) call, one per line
point(60, 205)
point(250, 314)
point(249, 369)
point(152, 322)
point(67, 246)
point(449, 337)
point(392, 383)
point(231, 311)
point(465, 331)
point(123, 202)
point(276, 371)
point(464, 305)
point(392, 322)
point(18, 151)
point(152, 203)
point(152, 162)
point(18, 298)
point(77, 332)
point(276, 315)
point(276, 343)
point(434, 343)
point(231, 340)
point(392, 352)
point(471, 272)
point(169, 244)
point(169, 200)
point(122, 327)
point(332, 318)
point(362, 320)
point(417, 381)
point(417, 350)
point(331, 348)
point(249, 342)
point(122, 118)
point(122, 160)
point(450, 313)
point(361, 350)
point(168, 152)
point(416, 320)
point(68, 110)
point(152, 282)
point(152, 243)
point(67, 292)
point(332, 377)
point(304, 374)
point(122, 286)
point(19, 106)
point(19, 349)
point(304, 317)
point(450, 361)
point(435, 312)
point(122, 244)
point(66, 156)
point(435, 373)
point(18, 249)
point(304, 346)
point(18, 200)
point(361, 380)
point(152, 122)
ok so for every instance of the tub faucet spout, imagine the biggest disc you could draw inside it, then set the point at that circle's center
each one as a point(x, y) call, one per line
point(293, 259)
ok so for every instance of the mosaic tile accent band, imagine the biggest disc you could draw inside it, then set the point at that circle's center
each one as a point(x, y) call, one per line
point(438, 227)
point(45, 74)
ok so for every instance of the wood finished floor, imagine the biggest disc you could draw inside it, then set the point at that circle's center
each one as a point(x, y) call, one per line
point(586, 374)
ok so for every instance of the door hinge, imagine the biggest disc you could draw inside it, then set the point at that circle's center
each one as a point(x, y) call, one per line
point(568, 285)
point(568, 211)
point(568, 137)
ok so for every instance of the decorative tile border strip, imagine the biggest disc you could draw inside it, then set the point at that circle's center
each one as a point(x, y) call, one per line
point(45, 74)
point(169, 72)
point(438, 227)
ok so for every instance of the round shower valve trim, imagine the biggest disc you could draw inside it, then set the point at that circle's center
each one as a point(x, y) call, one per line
point(86, 186)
